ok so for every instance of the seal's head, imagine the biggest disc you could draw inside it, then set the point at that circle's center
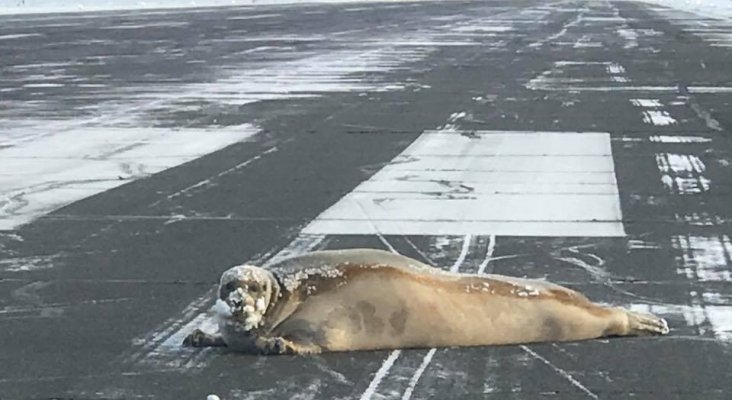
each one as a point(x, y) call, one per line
point(247, 293)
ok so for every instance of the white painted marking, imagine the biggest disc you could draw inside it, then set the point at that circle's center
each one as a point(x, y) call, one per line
point(19, 36)
point(704, 258)
point(380, 374)
point(418, 374)
point(43, 170)
point(697, 315)
point(488, 254)
point(248, 17)
point(680, 164)
point(710, 89)
point(615, 69)
point(493, 29)
point(679, 139)
point(720, 317)
point(646, 103)
point(169, 24)
point(630, 36)
point(43, 85)
point(658, 118)
point(564, 374)
point(209, 180)
point(446, 191)
point(547, 84)
point(444, 43)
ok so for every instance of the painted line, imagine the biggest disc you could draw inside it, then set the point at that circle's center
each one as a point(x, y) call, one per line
point(710, 89)
point(603, 89)
point(46, 169)
point(418, 374)
point(658, 118)
point(208, 181)
point(439, 186)
point(380, 374)
point(564, 374)
point(615, 69)
point(488, 254)
point(646, 103)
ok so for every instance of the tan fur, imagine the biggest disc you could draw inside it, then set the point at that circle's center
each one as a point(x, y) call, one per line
point(370, 299)
point(441, 312)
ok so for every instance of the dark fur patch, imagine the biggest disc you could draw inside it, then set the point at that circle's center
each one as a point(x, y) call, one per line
point(355, 317)
point(372, 324)
point(398, 320)
point(552, 329)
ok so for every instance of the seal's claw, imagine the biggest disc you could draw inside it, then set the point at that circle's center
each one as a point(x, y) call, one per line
point(195, 339)
point(199, 338)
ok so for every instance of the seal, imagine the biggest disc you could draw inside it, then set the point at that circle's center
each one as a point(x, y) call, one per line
point(365, 299)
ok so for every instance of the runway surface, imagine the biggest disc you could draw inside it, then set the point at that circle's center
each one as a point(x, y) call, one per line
point(142, 153)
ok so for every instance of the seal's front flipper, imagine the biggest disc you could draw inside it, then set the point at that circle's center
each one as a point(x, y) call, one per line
point(199, 338)
point(278, 345)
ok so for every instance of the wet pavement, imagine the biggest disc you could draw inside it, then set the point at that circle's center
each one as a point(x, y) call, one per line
point(144, 152)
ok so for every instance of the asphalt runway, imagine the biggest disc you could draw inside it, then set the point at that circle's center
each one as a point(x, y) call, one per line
point(145, 152)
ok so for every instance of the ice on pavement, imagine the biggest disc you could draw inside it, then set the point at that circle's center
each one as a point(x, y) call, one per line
point(49, 6)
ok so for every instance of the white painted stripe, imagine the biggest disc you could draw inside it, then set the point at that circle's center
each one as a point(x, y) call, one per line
point(500, 177)
point(488, 254)
point(710, 89)
point(658, 118)
point(442, 188)
point(564, 374)
point(646, 103)
point(679, 139)
point(418, 374)
point(456, 184)
point(380, 374)
point(45, 168)
point(505, 227)
point(615, 69)
point(463, 253)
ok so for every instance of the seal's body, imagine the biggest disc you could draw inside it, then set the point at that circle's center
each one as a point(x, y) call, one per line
point(366, 299)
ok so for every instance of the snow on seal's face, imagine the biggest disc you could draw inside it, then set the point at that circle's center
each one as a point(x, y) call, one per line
point(246, 292)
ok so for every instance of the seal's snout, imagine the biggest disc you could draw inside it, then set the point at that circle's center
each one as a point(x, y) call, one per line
point(246, 291)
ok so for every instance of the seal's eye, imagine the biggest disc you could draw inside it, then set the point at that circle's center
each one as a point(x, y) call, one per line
point(230, 287)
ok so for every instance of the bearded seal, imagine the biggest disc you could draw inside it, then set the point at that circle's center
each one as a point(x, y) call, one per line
point(365, 299)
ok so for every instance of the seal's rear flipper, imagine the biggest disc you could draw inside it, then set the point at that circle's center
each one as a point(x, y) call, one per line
point(646, 324)
point(199, 338)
